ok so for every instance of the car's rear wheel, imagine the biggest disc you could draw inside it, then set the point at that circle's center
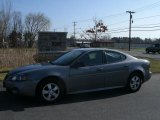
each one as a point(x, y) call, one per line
point(153, 52)
point(134, 82)
point(159, 51)
point(49, 91)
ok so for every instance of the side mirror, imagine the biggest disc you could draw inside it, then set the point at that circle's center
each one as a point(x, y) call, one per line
point(78, 64)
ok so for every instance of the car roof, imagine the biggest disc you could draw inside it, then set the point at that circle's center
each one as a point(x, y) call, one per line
point(93, 49)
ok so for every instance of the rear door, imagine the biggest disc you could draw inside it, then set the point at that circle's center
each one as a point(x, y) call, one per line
point(116, 69)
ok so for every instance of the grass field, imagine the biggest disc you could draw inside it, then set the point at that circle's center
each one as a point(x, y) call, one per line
point(155, 65)
point(2, 76)
point(12, 58)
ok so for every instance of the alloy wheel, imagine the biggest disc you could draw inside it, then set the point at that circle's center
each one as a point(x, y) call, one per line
point(50, 92)
point(135, 83)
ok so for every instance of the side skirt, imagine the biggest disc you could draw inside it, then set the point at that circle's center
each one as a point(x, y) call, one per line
point(93, 90)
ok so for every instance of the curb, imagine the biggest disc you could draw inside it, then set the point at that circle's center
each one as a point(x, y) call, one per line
point(6, 71)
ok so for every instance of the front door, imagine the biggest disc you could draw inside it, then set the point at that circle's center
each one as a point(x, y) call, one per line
point(90, 76)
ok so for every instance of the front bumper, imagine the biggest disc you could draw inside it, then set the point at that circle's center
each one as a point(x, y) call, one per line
point(27, 88)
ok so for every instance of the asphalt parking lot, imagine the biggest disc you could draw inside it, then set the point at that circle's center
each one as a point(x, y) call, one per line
point(110, 105)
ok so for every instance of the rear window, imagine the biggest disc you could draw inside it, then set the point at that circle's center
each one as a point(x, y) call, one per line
point(112, 57)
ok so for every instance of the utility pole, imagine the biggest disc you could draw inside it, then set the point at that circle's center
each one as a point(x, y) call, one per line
point(130, 22)
point(74, 25)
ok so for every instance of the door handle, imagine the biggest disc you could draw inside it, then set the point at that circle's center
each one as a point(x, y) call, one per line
point(125, 66)
point(100, 69)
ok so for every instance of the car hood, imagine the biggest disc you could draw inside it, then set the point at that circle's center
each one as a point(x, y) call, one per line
point(30, 67)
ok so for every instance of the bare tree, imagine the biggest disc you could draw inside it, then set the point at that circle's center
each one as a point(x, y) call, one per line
point(17, 21)
point(5, 15)
point(15, 37)
point(33, 24)
point(106, 37)
point(97, 30)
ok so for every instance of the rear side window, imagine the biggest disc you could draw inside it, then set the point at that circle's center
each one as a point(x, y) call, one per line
point(112, 57)
point(92, 58)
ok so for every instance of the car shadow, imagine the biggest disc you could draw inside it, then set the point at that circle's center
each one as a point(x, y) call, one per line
point(19, 103)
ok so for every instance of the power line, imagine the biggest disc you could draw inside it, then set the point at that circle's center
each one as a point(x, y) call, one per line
point(114, 30)
point(151, 6)
point(118, 23)
point(134, 31)
point(148, 30)
point(147, 27)
point(118, 31)
point(153, 16)
point(114, 15)
point(136, 19)
point(123, 13)
point(124, 27)
point(149, 24)
point(108, 16)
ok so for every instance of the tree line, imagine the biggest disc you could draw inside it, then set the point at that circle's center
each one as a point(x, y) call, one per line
point(18, 31)
point(136, 40)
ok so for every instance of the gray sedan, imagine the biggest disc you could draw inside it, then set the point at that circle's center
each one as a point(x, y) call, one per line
point(78, 71)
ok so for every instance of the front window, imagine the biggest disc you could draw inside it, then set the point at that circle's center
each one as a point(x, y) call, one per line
point(68, 58)
point(92, 58)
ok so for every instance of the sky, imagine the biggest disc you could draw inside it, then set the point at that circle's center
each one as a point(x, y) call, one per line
point(62, 13)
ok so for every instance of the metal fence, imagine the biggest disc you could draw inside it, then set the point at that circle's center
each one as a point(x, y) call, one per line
point(133, 46)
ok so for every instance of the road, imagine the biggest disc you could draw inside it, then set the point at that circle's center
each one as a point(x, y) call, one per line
point(105, 105)
point(143, 54)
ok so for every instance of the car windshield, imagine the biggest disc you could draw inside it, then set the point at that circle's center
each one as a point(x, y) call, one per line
point(68, 58)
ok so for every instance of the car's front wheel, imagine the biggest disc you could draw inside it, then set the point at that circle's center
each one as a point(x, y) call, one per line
point(134, 82)
point(49, 91)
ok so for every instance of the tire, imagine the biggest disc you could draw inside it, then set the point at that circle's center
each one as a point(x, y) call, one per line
point(134, 82)
point(50, 91)
point(159, 51)
point(147, 51)
point(154, 52)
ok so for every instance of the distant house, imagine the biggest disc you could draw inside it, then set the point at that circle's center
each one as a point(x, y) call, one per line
point(52, 41)
point(102, 44)
point(83, 43)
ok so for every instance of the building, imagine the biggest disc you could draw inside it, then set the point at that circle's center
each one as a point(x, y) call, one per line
point(52, 41)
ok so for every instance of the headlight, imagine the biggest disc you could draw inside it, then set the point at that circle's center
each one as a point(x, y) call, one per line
point(19, 77)
point(14, 78)
point(23, 77)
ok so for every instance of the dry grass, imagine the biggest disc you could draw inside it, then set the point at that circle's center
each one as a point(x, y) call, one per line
point(11, 58)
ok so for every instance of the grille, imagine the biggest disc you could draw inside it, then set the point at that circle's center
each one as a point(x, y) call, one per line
point(6, 77)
